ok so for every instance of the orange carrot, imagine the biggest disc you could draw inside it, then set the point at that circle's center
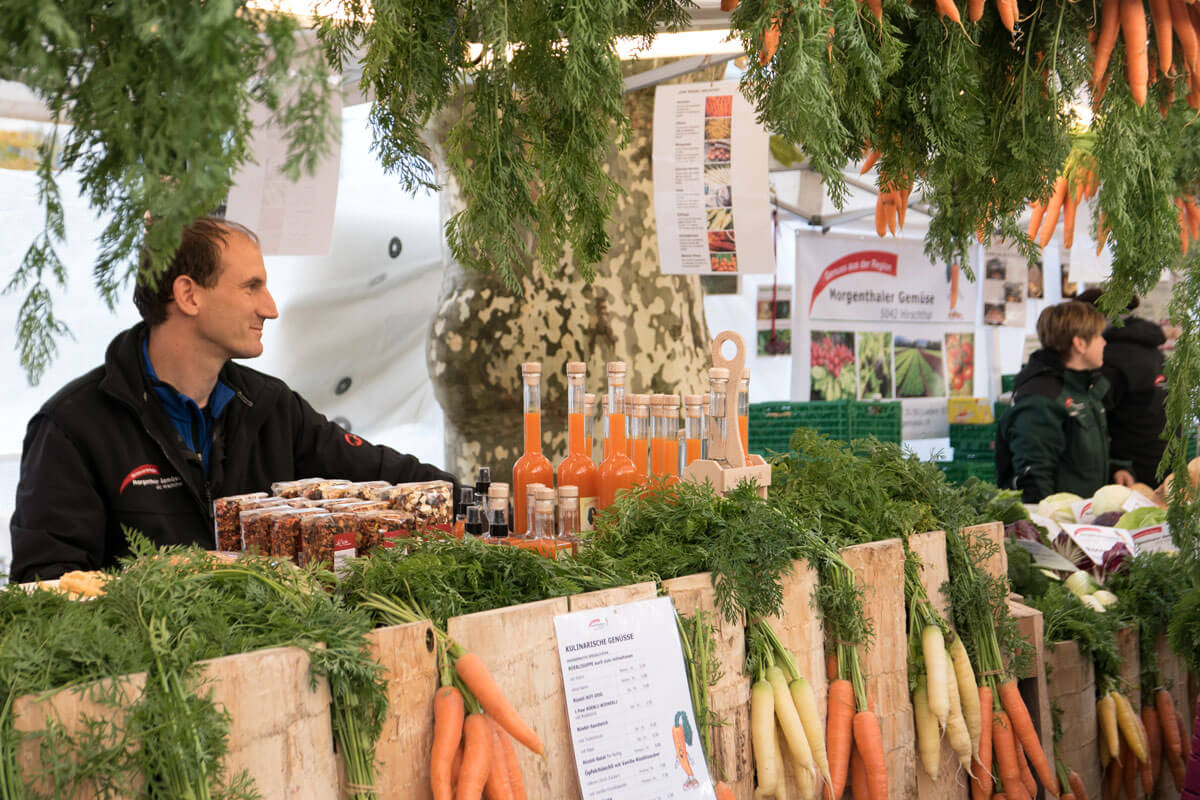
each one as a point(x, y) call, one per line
point(1129, 769)
point(1112, 780)
point(1022, 725)
point(1184, 737)
point(902, 205)
point(831, 665)
point(860, 788)
point(1110, 19)
point(475, 675)
point(497, 786)
point(1193, 215)
point(838, 725)
point(1036, 210)
point(477, 757)
point(889, 211)
point(876, 7)
point(880, 216)
point(1146, 773)
point(1069, 207)
point(1183, 226)
point(724, 791)
point(1023, 768)
point(456, 764)
point(949, 9)
point(1077, 787)
point(1153, 739)
point(728, 5)
point(982, 764)
point(1045, 234)
point(770, 43)
point(868, 740)
point(508, 755)
point(974, 10)
point(1181, 26)
point(1160, 16)
point(1101, 233)
point(1008, 13)
point(1004, 747)
point(870, 160)
point(448, 713)
point(1133, 27)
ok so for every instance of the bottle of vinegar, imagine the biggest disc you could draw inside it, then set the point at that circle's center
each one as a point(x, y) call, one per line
point(532, 466)
point(617, 471)
point(578, 469)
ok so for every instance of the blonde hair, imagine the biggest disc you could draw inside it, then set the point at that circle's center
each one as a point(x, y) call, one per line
point(1059, 324)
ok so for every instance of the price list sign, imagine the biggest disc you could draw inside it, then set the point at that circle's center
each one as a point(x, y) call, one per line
point(633, 728)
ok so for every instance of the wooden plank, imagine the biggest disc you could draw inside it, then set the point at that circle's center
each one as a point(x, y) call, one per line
point(800, 630)
point(931, 549)
point(280, 730)
point(879, 572)
point(997, 565)
point(518, 645)
point(73, 709)
point(730, 697)
point(409, 660)
point(1033, 682)
point(1072, 687)
point(1173, 674)
point(604, 598)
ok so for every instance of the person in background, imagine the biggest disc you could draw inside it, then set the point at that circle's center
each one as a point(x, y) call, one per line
point(169, 422)
point(1136, 403)
point(1055, 438)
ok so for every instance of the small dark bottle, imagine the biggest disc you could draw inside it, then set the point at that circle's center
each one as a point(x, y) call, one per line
point(475, 523)
point(498, 523)
point(483, 480)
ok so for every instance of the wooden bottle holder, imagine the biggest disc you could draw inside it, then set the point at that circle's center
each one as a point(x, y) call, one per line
point(739, 467)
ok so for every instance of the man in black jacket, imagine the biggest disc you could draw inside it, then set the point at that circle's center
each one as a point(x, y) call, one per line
point(169, 422)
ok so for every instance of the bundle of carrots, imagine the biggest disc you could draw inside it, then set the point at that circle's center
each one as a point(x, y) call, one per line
point(1077, 183)
point(784, 718)
point(1132, 746)
point(1189, 221)
point(474, 724)
point(1171, 19)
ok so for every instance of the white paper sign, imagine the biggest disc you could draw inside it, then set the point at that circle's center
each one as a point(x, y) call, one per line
point(1136, 500)
point(633, 728)
point(1082, 509)
point(711, 194)
point(1154, 539)
point(1095, 540)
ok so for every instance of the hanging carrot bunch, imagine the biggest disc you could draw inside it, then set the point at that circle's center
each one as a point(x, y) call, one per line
point(1077, 182)
point(890, 209)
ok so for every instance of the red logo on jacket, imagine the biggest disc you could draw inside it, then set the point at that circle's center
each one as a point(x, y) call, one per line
point(138, 472)
point(1160, 380)
point(353, 441)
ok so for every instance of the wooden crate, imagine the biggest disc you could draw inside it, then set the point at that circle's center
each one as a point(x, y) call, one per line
point(730, 697)
point(952, 780)
point(879, 572)
point(1174, 675)
point(613, 597)
point(280, 731)
point(519, 647)
point(801, 632)
point(998, 563)
point(1032, 682)
point(1072, 687)
point(409, 660)
point(1130, 674)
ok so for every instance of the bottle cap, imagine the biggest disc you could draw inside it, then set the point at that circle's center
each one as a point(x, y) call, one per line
point(531, 368)
point(718, 374)
point(576, 368)
point(568, 491)
point(531, 487)
point(543, 507)
point(466, 496)
point(544, 493)
point(672, 401)
point(693, 400)
point(498, 490)
point(483, 475)
point(589, 400)
point(616, 368)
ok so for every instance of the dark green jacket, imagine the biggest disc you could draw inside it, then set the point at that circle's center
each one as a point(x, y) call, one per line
point(1056, 431)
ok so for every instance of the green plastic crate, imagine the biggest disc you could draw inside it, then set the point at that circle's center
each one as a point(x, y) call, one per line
point(976, 439)
point(1008, 382)
point(880, 419)
point(959, 470)
point(772, 424)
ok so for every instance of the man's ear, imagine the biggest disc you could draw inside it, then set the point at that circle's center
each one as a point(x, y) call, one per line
point(187, 299)
point(1079, 344)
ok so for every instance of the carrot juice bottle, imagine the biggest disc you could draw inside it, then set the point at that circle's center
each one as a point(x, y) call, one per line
point(617, 471)
point(718, 384)
point(639, 428)
point(657, 451)
point(578, 469)
point(603, 428)
point(589, 425)
point(743, 409)
point(693, 427)
point(532, 466)
point(668, 426)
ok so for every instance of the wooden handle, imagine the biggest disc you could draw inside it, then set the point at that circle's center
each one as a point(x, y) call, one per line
point(737, 367)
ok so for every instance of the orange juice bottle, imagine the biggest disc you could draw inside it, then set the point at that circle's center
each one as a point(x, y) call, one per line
point(589, 425)
point(617, 471)
point(718, 384)
point(532, 466)
point(668, 426)
point(657, 451)
point(639, 429)
point(743, 409)
point(578, 469)
point(693, 428)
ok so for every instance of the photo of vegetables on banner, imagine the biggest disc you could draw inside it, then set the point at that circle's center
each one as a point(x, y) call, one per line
point(833, 373)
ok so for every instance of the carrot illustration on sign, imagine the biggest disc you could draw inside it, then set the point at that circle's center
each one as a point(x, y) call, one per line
point(681, 732)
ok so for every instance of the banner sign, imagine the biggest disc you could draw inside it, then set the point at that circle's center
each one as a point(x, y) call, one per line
point(711, 192)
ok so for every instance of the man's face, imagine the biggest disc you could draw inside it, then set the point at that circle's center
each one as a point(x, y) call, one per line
point(233, 311)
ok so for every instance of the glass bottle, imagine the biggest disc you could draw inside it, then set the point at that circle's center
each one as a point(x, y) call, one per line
point(466, 499)
point(617, 471)
point(497, 511)
point(483, 479)
point(639, 424)
point(668, 426)
point(542, 539)
point(589, 425)
point(656, 441)
point(603, 427)
point(718, 384)
point(529, 492)
point(578, 469)
point(570, 516)
point(476, 521)
point(693, 412)
point(532, 466)
point(705, 424)
point(743, 410)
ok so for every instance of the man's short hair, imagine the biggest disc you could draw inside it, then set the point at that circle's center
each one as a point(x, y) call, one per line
point(1059, 324)
point(198, 257)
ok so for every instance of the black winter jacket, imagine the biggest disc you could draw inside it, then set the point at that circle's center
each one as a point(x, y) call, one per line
point(1136, 402)
point(102, 454)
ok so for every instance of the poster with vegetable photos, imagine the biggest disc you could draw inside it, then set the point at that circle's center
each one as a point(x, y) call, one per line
point(919, 368)
point(960, 364)
point(774, 320)
point(875, 372)
point(1005, 283)
point(711, 193)
point(832, 366)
